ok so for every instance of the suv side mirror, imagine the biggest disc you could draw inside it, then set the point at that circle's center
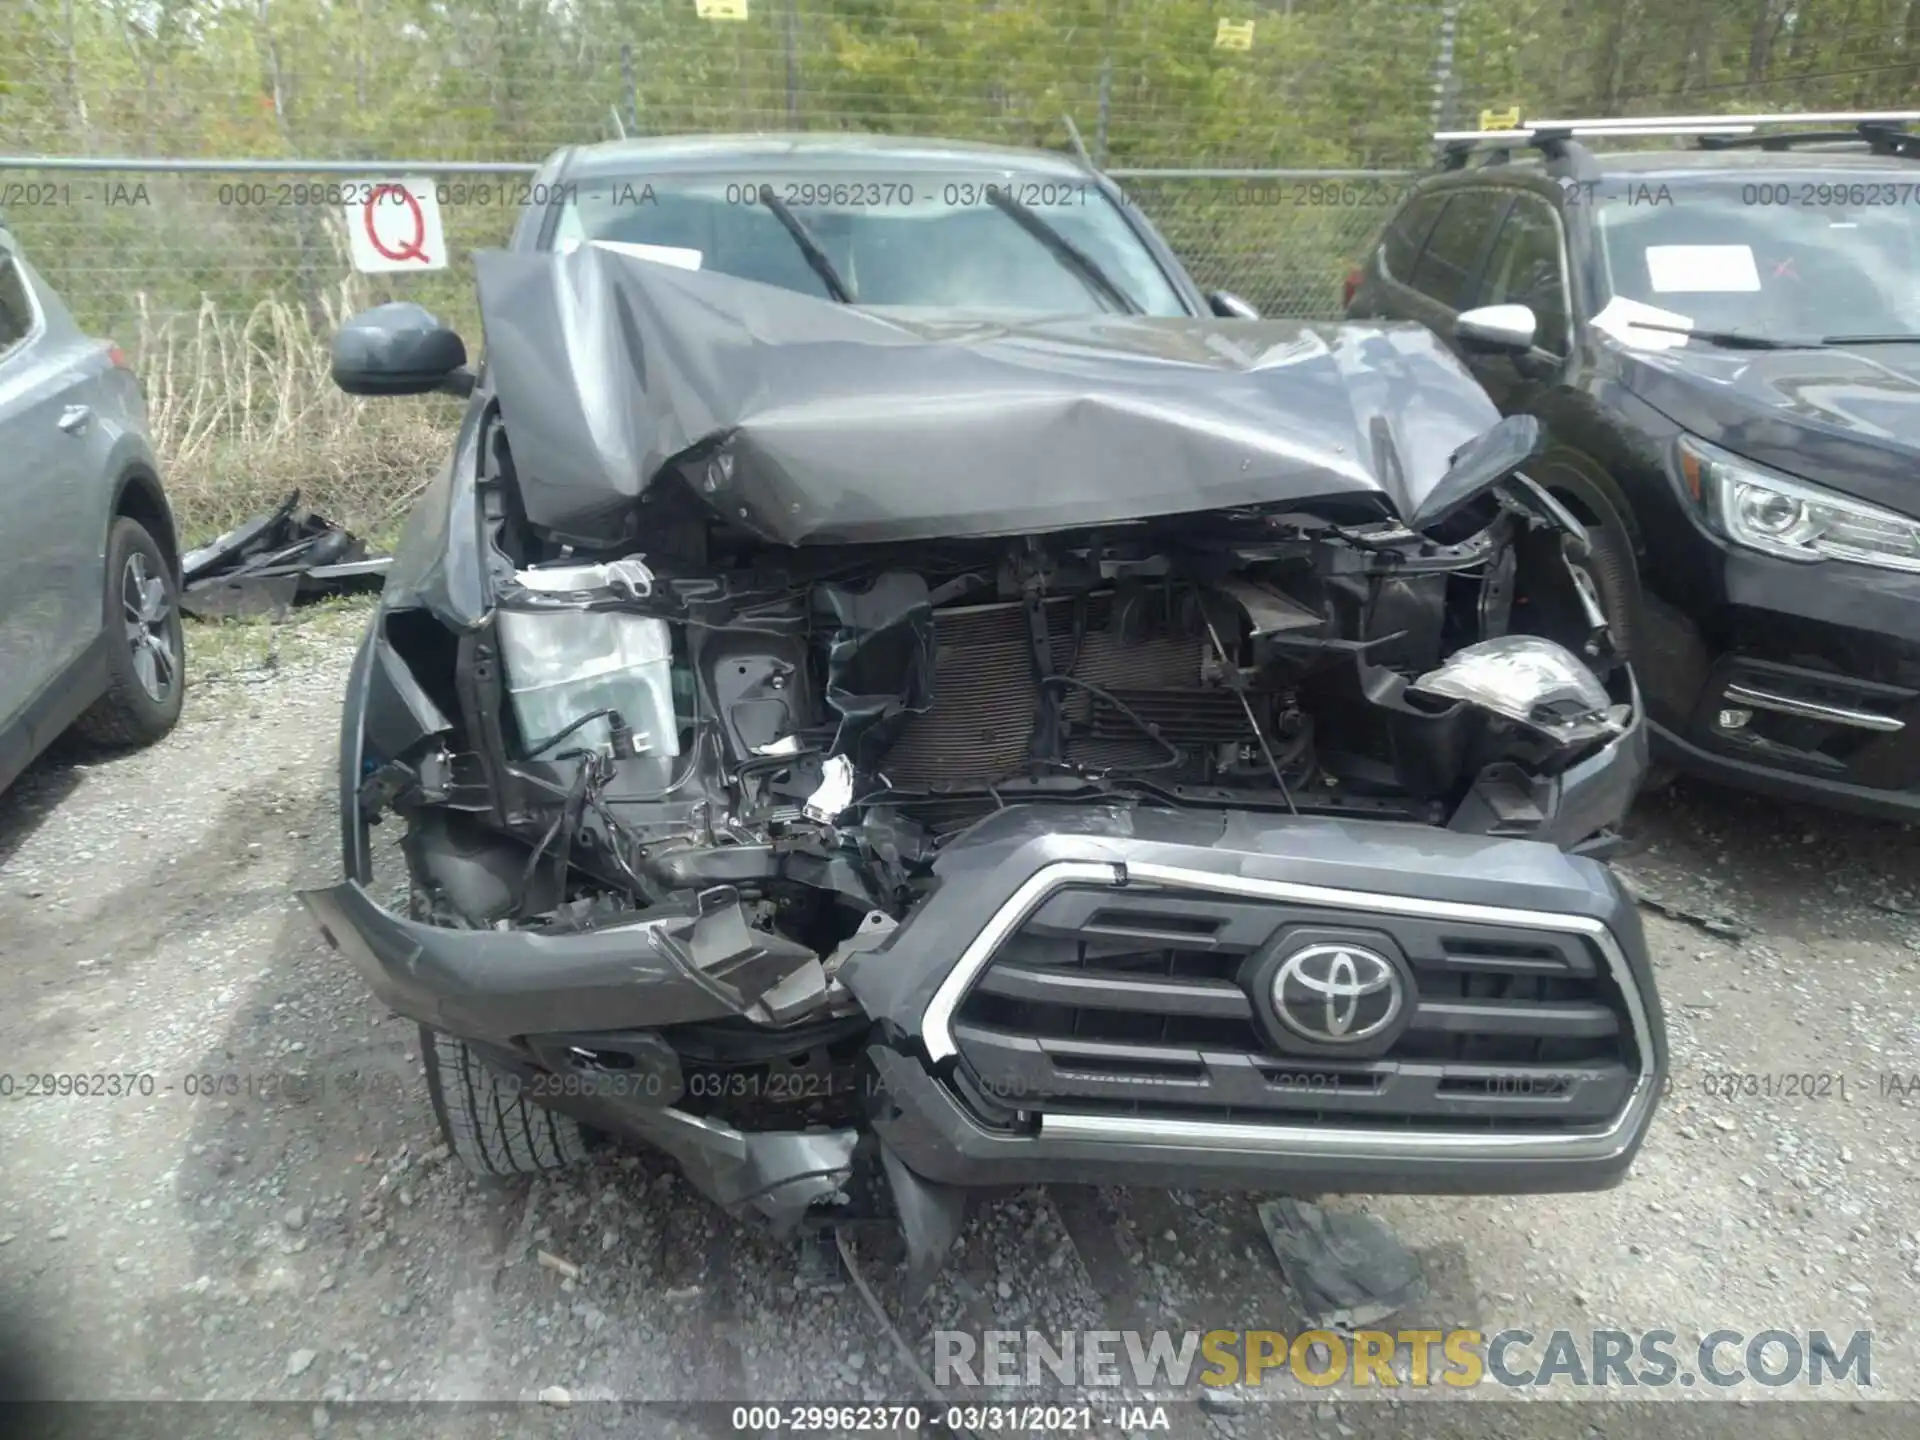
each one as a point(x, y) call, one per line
point(1229, 306)
point(399, 349)
point(1496, 329)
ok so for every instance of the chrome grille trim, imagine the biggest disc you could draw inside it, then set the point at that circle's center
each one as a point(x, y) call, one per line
point(937, 1020)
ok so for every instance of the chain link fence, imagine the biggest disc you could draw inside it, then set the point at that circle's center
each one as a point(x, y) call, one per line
point(135, 250)
point(224, 286)
point(224, 283)
point(1282, 239)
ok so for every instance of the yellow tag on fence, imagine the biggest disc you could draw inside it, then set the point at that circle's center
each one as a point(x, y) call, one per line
point(1233, 35)
point(720, 9)
point(1500, 119)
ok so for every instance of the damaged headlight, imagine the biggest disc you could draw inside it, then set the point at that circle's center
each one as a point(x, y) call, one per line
point(1531, 681)
point(569, 659)
point(1766, 511)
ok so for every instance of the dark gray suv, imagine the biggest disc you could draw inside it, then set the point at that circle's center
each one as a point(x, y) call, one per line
point(89, 563)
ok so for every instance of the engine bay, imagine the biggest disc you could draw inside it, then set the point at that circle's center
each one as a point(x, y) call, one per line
point(736, 710)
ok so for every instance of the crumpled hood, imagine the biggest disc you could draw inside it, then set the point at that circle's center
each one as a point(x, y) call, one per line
point(807, 421)
point(1847, 419)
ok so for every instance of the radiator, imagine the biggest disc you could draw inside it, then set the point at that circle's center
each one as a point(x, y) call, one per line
point(985, 696)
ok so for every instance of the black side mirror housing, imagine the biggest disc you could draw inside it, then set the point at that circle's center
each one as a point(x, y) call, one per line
point(1229, 306)
point(399, 349)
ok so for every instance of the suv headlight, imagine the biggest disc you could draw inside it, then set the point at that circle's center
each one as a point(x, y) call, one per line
point(1765, 510)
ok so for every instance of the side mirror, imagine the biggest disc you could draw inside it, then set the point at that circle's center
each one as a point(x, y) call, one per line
point(399, 349)
point(1496, 329)
point(1229, 306)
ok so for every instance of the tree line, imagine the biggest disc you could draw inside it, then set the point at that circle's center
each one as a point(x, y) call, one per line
point(1146, 83)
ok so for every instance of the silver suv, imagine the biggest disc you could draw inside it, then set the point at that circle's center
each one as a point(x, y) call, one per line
point(89, 562)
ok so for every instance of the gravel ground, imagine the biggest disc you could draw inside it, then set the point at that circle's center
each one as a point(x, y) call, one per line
point(301, 1237)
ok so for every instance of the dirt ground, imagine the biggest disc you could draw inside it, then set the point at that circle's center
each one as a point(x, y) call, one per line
point(269, 1215)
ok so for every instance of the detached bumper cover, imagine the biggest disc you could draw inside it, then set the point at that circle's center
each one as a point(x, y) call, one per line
point(1087, 994)
point(499, 985)
point(1589, 799)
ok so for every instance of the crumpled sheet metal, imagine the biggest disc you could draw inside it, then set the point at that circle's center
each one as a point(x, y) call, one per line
point(806, 421)
point(274, 561)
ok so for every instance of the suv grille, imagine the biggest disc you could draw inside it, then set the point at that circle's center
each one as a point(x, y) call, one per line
point(1134, 1003)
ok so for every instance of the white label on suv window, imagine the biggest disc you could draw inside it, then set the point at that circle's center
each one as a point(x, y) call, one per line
point(676, 255)
point(1702, 269)
point(1620, 313)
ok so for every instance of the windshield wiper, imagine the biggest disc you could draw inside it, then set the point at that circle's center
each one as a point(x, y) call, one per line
point(1062, 249)
point(809, 247)
point(1870, 340)
point(1727, 339)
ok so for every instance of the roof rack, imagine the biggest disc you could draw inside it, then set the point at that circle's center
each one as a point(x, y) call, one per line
point(1882, 130)
point(1555, 141)
point(1881, 137)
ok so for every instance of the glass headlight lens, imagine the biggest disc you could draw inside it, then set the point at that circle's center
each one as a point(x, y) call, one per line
point(1530, 680)
point(1767, 511)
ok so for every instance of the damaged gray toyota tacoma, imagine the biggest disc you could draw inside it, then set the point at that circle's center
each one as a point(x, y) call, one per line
point(889, 685)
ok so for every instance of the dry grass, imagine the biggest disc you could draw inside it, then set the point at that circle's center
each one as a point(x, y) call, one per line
point(243, 409)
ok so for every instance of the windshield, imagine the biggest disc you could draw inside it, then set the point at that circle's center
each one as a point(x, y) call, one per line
point(910, 241)
point(1784, 257)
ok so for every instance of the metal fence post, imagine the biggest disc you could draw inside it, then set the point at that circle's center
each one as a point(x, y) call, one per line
point(631, 84)
point(1443, 80)
point(790, 39)
point(1106, 108)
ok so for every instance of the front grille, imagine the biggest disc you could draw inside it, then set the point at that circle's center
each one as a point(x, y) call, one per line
point(1137, 1004)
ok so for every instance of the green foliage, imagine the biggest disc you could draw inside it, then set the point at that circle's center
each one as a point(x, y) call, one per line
point(514, 78)
point(1327, 83)
point(226, 292)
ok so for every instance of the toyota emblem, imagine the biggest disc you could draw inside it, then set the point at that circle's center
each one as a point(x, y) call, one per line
point(1337, 994)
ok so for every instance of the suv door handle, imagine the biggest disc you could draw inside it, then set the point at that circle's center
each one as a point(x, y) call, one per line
point(76, 418)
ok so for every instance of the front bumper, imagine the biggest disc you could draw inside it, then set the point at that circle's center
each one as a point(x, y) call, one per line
point(971, 1096)
point(963, 1098)
point(1799, 681)
point(1579, 810)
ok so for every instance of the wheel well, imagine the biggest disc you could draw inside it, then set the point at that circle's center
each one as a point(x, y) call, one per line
point(141, 499)
point(1583, 489)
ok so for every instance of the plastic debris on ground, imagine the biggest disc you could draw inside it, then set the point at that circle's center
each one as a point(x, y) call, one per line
point(275, 561)
point(1345, 1267)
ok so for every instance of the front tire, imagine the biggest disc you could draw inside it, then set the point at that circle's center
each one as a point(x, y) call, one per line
point(494, 1129)
point(146, 658)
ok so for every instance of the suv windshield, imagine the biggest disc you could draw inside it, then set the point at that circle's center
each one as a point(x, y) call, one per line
point(910, 241)
point(1792, 257)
